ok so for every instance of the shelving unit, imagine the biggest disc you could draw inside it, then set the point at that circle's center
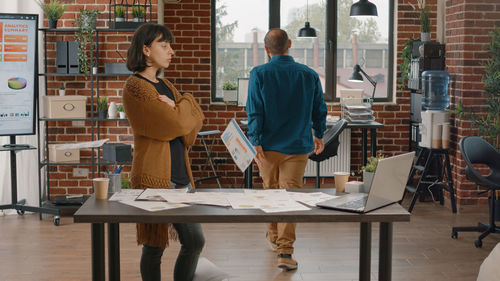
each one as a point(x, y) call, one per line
point(94, 161)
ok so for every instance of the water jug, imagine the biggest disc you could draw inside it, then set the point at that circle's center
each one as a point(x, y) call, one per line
point(435, 89)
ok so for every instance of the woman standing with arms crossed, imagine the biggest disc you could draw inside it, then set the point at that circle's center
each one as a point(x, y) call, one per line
point(164, 124)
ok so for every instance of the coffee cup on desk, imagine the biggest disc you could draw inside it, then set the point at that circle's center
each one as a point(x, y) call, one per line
point(101, 186)
point(341, 179)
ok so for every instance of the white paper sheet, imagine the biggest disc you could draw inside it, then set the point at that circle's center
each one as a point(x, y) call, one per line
point(310, 199)
point(79, 145)
point(200, 198)
point(238, 145)
point(153, 206)
point(126, 194)
point(156, 194)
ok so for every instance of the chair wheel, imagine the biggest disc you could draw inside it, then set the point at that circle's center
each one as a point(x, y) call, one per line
point(478, 243)
point(454, 234)
point(20, 212)
point(56, 221)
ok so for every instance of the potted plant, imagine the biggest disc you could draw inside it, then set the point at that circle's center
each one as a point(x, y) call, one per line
point(52, 10)
point(86, 25)
point(425, 20)
point(121, 111)
point(138, 14)
point(119, 13)
point(229, 92)
point(369, 171)
point(62, 90)
point(102, 107)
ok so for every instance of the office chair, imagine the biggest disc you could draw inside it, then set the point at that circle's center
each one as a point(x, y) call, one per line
point(475, 150)
point(331, 140)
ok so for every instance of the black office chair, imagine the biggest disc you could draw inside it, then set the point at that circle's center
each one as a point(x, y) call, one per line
point(331, 140)
point(476, 150)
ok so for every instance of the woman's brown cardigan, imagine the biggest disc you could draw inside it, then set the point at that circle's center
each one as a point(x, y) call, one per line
point(154, 125)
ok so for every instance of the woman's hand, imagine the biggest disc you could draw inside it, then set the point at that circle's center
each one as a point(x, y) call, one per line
point(166, 100)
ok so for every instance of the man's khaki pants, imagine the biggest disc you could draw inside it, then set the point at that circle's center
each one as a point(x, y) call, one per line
point(280, 170)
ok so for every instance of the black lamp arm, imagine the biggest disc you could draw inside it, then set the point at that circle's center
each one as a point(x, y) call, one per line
point(373, 82)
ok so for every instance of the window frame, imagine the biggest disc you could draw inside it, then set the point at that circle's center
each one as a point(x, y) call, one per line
point(331, 49)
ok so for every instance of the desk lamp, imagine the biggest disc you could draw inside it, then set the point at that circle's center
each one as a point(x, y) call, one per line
point(357, 78)
point(363, 8)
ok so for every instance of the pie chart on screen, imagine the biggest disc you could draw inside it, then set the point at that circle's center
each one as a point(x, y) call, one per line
point(17, 83)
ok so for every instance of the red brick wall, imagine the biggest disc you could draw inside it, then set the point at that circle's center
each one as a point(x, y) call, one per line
point(467, 25)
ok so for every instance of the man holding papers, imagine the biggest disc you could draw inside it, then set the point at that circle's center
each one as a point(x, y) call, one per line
point(284, 105)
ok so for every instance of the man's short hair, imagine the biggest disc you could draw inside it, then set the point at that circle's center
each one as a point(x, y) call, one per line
point(276, 41)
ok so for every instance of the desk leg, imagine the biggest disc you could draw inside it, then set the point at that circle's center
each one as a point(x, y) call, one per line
point(364, 144)
point(373, 136)
point(97, 240)
point(385, 252)
point(365, 244)
point(114, 251)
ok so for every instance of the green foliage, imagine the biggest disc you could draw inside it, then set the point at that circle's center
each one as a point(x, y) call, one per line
point(86, 24)
point(120, 108)
point(404, 67)
point(138, 12)
point(125, 182)
point(119, 11)
point(62, 87)
point(425, 19)
point(102, 103)
point(223, 33)
point(371, 164)
point(488, 123)
point(228, 86)
point(52, 10)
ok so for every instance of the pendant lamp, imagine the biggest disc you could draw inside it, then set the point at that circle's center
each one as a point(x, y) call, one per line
point(363, 8)
point(307, 30)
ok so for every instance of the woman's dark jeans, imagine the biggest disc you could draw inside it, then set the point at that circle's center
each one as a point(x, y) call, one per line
point(192, 242)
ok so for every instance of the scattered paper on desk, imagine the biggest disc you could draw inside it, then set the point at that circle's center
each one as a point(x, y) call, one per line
point(288, 206)
point(79, 145)
point(238, 145)
point(157, 194)
point(200, 198)
point(312, 198)
point(126, 194)
point(153, 206)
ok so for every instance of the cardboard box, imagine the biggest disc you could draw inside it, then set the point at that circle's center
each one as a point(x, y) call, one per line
point(65, 106)
point(63, 155)
point(430, 118)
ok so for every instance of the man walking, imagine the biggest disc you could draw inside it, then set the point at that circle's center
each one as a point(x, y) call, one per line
point(285, 106)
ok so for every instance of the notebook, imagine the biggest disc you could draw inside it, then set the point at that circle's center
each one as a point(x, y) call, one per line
point(387, 187)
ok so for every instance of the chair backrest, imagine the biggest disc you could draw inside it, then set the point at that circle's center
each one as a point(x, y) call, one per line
point(331, 140)
point(476, 150)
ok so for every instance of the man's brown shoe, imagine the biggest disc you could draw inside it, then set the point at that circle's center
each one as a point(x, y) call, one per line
point(286, 262)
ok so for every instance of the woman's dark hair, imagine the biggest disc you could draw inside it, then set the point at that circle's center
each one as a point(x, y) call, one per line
point(144, 36)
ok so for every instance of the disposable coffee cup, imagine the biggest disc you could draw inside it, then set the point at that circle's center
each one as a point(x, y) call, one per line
point(340, 180)
point(101, 186)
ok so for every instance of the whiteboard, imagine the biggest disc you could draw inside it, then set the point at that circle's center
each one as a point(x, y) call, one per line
point(18, 73)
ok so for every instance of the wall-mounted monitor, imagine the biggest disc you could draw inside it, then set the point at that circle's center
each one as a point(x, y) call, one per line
point(18, 74)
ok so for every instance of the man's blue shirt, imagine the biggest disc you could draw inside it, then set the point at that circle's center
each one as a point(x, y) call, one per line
point(285, 102)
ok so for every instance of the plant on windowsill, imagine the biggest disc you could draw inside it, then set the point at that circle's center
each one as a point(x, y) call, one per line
point(52, 10)
point(102, 107)
point(369, 171)
point(229, 92)
point(487, 120)
point(138, 14)
point(86, 25)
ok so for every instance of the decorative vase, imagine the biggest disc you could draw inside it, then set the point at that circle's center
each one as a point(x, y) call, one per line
point(95, 69)
point(52, 23)
point(425, 36)
point(62, 92)
point(112, 112)
point(122, 115)
point(367, 181)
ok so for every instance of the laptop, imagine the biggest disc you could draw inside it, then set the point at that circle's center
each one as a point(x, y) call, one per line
point(387, 187)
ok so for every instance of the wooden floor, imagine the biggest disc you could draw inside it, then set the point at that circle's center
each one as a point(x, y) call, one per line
point(31, 249)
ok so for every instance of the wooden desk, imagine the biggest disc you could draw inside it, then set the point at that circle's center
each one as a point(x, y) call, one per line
point(99, 212)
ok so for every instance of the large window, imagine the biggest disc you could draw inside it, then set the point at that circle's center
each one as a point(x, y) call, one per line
point(239, 26)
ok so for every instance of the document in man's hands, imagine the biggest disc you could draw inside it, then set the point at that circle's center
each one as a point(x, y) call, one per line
point(238, 145)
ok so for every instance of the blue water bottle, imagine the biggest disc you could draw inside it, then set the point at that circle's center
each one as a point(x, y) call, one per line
point(435, 89)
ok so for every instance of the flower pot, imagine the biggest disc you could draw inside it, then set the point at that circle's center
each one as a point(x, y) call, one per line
point(117, 19)
point(425, 36)
point(367, 181)
point(230, 95)
point(138, 19)
point(95, 69)
point(122, 115)
point(52, 23)
point(62, 92)
point(102, 114)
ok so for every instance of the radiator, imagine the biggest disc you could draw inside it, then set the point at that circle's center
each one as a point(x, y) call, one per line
point(339, 163)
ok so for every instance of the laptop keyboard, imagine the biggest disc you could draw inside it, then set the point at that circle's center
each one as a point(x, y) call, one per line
point(355, 204)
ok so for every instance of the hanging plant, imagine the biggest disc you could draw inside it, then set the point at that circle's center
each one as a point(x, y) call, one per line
point(86, 24)
point(404, 67)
